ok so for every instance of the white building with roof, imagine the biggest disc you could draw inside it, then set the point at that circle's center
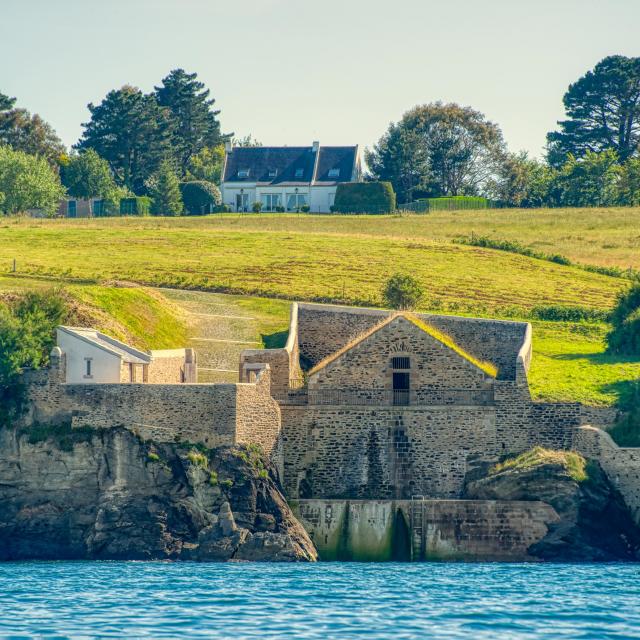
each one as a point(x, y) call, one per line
point(287, 178)
point(92, 357)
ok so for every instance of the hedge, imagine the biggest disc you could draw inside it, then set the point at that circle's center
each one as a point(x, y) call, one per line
point(200, 196)
point(137, 206)
point(453, 203)
point(364, 197)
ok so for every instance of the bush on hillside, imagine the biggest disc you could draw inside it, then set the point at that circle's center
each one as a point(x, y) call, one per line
point(27, 334)
point(200, 197)
point(135, 206)
point(624, 338)
point(364, 197)
point(402, 292)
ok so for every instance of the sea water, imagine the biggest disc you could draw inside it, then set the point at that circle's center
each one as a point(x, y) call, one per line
point(325, 600)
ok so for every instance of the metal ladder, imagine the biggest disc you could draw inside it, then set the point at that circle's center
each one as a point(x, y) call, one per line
point(417, 517)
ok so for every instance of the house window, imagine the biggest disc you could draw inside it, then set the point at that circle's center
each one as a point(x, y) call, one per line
point(271, 201)
point(334, 173)
point(71, 209)
point(88, 367)
point(299, 173)
point(295, 201)
point(273, 173)
point(243, 173)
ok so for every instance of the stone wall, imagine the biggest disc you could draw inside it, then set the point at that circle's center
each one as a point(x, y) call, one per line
point(257, 419)
point(367, 365)
point(622, 465)
point(382, 452)
point(212, 414)
point(284, 362)
point(424, 530)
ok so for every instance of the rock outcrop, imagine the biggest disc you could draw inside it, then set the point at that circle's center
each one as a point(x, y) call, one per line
point(594, 525)
point(105, 494)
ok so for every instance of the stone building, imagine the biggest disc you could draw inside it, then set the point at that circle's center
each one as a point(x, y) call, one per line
point(381, 405)
point(366, 414)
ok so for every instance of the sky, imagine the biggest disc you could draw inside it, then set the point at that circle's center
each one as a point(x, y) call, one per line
point(293, 71)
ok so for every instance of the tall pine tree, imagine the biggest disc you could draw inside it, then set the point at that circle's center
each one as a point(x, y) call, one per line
point(132, 133)
point(196, 125)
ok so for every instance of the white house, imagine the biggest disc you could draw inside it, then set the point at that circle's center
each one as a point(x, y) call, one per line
point(92, 357)
point(287, 177)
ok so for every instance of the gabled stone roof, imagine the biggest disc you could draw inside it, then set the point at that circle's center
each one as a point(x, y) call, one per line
point(440, 336)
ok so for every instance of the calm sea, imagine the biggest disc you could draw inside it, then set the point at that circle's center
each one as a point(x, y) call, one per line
point(386, 601)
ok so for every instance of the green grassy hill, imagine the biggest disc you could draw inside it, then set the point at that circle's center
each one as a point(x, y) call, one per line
point(346, 259)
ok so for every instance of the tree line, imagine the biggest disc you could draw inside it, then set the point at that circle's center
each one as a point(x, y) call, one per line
point(153, 144)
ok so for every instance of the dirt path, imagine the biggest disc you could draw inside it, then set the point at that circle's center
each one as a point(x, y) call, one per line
point(219, 329)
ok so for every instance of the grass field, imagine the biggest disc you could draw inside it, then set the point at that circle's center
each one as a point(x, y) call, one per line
point(342, 259)
point(306, 257)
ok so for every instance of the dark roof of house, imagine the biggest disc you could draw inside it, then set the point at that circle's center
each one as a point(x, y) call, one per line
point(341, 158)
point(291, 165)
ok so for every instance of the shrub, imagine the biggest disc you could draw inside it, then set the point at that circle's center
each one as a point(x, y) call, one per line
point(197, 459)
point(257, 207)
point(135, 206)
point(280, 209)
point(624, 338)
point(164, 187)
point(305, 208)
point(364, 197)
point(153, 457)
point(454, 203)
point(402, 291)
point(200, 197)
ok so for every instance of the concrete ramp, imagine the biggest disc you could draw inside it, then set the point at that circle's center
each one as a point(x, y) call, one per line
point(424, 530)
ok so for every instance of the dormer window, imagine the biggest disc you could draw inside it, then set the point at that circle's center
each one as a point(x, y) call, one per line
point(273, 173)
point(299, 173)
point(334, 173)
point(243, 173)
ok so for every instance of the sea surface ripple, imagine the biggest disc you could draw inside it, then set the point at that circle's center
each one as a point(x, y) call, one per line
point(326, 600)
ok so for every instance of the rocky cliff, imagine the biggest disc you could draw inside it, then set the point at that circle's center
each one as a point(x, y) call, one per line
point(594, 524)
point(105, 494)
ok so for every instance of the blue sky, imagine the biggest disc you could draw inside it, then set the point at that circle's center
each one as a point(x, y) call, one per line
point(292, 71)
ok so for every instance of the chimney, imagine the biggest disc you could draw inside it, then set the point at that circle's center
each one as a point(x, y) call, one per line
point(316, 146)
point(227, 146)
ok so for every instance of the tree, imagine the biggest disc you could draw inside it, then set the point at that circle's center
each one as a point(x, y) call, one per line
point(27, 182)
point(246, 141)
point(165, 192)
point(591, 181)
point(200, 197)
point(132, 133)
point(443, 149)
point(207, 165)
point(402, 291)
point(196, 125)
point(29, 133)
point(87, 175)
point(399, 158)
point(522, 182)
point(603, 112)
point(629, 183)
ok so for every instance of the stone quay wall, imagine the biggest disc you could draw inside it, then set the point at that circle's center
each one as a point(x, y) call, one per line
point(424, 529)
